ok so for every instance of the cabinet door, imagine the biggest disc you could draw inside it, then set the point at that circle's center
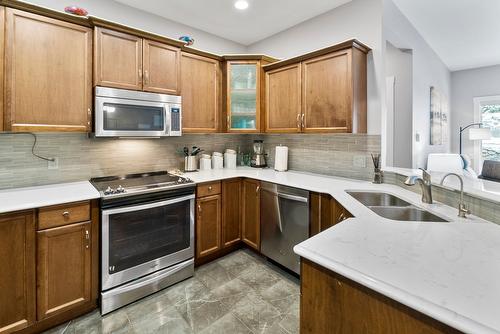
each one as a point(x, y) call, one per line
point(48, 74)
point(231, 212)
point(200, 87)
point(327, 93)
point(251, 213)
point(161, 67)
point(208, 225)
point(283, 96)
point(243, 96)
point(117, 59)
point(63, 268)
point(17, 277)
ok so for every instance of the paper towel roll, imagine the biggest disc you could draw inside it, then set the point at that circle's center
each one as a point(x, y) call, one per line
point(281, 159)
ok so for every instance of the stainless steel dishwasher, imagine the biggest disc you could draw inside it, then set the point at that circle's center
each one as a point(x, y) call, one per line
point(284, 223)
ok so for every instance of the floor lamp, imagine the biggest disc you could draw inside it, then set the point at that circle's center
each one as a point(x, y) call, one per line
point(476, 133)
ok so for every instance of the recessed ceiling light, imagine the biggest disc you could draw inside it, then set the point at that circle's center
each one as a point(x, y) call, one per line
point(241, 4)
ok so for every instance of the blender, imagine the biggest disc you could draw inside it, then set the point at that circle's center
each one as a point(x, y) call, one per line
point(258, 157)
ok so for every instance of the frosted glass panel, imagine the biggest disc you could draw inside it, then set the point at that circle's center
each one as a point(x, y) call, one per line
point(243, 96)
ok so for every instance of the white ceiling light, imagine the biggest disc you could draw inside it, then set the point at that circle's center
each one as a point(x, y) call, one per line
point(241, 4)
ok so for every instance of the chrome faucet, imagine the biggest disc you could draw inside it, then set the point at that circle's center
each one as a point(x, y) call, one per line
point(425, 185)
point(462, 208)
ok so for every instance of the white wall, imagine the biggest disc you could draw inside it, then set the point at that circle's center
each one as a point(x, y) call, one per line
point(428, 70)
point(360, 19)
point(465, 86)
point(398, 64)
point(117, 12)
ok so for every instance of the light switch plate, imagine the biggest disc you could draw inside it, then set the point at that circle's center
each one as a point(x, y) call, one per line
point(53, 164)
point(359, 161)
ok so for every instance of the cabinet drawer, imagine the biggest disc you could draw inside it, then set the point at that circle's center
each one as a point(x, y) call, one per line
point(59, 215)
point(208, 189)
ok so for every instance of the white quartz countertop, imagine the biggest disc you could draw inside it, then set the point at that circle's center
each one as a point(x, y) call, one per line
point(449, 271)
point(40, 196)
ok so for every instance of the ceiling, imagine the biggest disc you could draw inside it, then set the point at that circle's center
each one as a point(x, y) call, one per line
point(262, 19)
point(464, 33)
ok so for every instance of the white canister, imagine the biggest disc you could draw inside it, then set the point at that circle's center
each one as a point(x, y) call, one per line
point(205, 164)
point(217, 160)
point(281, 158)
point(230, 160)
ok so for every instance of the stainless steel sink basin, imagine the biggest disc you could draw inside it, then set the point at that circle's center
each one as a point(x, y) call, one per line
point(377, 199)
point(394, 208)
point(406, 214)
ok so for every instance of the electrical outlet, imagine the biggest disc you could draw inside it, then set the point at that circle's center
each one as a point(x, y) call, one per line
point(359, 161)
point(53, 164)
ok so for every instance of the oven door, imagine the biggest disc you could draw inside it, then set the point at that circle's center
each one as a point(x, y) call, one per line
point(141, 239)
point(118, 117)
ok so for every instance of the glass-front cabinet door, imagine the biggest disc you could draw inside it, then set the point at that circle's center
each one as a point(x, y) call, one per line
point(243, 98)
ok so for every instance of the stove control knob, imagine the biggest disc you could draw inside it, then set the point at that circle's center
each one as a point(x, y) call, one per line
point(108, 191)
point(180, 180)
point(120, 189)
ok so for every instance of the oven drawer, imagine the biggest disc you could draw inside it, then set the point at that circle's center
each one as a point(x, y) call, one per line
point(59, 215)
point(208, 189)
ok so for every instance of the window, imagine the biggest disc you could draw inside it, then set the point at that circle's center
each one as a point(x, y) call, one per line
point(490, 117)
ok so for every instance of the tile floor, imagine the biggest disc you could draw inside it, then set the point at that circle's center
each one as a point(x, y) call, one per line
point(239, 293)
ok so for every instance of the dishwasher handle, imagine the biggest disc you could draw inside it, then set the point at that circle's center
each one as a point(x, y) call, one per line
point(294, 197)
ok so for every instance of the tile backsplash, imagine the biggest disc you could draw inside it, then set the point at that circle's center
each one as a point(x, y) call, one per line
point(81, 158)
point(345, 155)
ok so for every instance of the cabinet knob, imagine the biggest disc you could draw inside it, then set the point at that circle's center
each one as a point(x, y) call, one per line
point(199, 208)
point(65, 214)
point(209, 188)
point(257, 190)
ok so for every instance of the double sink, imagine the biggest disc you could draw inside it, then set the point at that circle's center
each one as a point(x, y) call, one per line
point(394, 208)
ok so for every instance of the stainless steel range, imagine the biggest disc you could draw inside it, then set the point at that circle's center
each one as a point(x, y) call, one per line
point(147, 232)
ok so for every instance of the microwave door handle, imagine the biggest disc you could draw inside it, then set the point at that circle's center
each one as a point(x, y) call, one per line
point(147, 206)
point(168, 121)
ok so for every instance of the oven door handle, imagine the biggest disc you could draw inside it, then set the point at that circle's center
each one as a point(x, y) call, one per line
point(147, 206)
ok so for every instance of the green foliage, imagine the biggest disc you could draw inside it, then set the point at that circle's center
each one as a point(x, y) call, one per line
point(491, 108)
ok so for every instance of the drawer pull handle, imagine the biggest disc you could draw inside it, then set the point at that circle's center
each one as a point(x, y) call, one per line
point(257, 190)
point(65, 213)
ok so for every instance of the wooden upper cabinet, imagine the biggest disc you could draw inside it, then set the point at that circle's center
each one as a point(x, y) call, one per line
point(208, 225)
point(327, 93)
point(48, 74)
point(161, 67)
point(17, 277)
point(250, 224)
point(200, 87)
point(323, 91)
point(283, 99)
point(231, 212)
point(117, 59)
point(63, 268)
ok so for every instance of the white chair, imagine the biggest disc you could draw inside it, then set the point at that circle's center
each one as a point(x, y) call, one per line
point(450, 163)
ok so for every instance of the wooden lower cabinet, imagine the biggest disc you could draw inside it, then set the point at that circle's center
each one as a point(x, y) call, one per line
point(250, 223)
point(231, 212)
point(325, 212)
point(331, 303)
point(208, 225)
point(63, 268)
point(17, 277)
point(218, 219)
point(50, 274)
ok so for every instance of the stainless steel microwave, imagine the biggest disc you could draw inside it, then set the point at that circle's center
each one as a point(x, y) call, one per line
point(128, 113)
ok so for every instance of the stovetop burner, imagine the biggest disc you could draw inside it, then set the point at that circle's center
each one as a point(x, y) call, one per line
point(138, 183)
